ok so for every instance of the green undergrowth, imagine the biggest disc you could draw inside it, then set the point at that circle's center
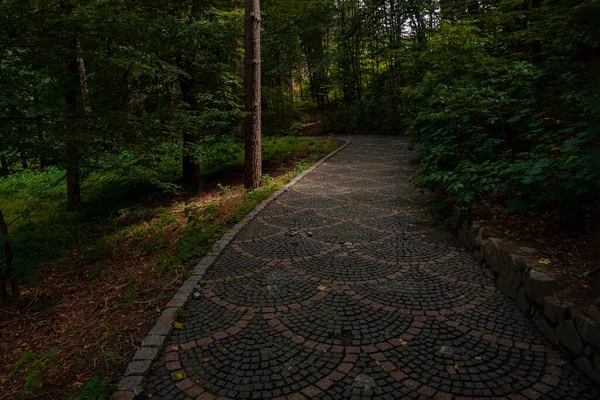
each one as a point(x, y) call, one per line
point(125, 198)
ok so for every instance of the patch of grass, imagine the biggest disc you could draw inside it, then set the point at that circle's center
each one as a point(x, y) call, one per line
point(117, 206)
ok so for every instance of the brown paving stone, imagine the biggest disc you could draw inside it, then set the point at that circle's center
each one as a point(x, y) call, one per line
point(265, 328)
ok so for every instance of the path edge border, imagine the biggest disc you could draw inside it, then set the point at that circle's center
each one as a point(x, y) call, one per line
point(138, 368)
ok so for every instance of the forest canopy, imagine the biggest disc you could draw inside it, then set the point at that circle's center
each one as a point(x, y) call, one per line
point(501, 97)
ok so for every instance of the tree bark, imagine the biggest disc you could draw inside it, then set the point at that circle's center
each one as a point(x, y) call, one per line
point(83, 80)
point(6, 275)
point(3, 166)
point(73, 186)
point(190, 174)
point(536, 44)
point(70, 95)
point(252, 132)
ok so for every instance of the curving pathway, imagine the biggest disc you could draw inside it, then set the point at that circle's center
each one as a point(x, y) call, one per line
point(343, 288)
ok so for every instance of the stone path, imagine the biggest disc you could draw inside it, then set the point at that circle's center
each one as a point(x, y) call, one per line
point(342, 288)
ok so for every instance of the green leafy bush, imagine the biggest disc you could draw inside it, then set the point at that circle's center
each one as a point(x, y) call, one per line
point(486, 132)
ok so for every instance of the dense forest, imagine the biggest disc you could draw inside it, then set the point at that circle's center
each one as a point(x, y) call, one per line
point(105, 105)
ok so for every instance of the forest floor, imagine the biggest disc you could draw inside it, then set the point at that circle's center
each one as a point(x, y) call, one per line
point(97, 314)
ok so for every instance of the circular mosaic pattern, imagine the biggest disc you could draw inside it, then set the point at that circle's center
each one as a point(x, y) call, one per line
point(233, 264)
point(284, 247)
point(343, 288)
point(341, 320)
point(403, 248)
point(267, 289)
point(417, 290)
point(348, 232)
point(446, 359)
point(299, 219)
point(257, 360)
point(345, 266)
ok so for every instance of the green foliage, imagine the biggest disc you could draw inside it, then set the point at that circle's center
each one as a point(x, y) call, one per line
point(42, 232)
point(503, 112)
point(37, 370)
point(486, 130)
point(95, 389)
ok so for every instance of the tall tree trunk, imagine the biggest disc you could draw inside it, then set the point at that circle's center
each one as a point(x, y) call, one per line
point(83, 80)
point(191, 174)
point(3, 166)
point(252, 132)
point(536, 44)
point(7, 274)
point(73, 186)
point(70, 95)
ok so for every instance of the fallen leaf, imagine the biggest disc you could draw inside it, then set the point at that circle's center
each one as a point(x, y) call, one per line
point(290, 367)
point(455, 366)
point(176, 376)
point(402, 341)
point(450, 295)
point(563, 362)
point(521, 378)
point(544, 261)
point(177, 325)
point(206, 359)
point(175, 348)
point(478, 358)
point(423, 236)
point(322, 287)
point(461, 297)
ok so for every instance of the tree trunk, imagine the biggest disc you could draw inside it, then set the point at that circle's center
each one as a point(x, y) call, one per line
point(83, 80)
point(536, 44)
point(73, 187)
point(253, 158)
point(70, 95)
point(190, 174)
point(6, 274)
point(3, 166)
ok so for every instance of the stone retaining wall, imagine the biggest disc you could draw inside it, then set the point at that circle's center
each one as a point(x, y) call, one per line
point(519, 277)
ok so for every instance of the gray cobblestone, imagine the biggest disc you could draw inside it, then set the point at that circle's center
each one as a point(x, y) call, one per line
point(341, 287)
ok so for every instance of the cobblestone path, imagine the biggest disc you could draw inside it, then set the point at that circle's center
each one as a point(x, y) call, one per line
point(342, 289)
